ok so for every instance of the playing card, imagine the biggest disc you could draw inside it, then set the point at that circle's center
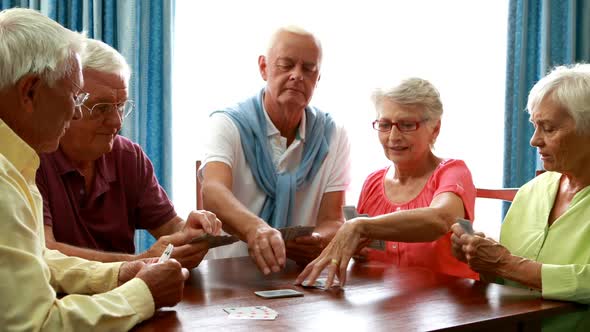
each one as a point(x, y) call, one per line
point(291, 233)
point(349, 212)
point(215, 240)
point(466, 225)
point(277, 293)
point(319, 283)
point(377, 244)
point(257, 313)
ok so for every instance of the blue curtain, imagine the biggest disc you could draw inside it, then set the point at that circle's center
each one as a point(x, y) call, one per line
point(142, 31)
point(541, 34)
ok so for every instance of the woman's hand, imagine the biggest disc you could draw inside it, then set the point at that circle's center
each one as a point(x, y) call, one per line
point(335, 256)
point(483, 254)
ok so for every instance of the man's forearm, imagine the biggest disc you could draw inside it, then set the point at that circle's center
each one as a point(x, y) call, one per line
point(236, 218)
point(90, 254)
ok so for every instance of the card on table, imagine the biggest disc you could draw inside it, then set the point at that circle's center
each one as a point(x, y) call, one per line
point(319, 283)
point(215, 241)
point(466, 225)
point(278, 293)
point(257, 313)
point(293, 232)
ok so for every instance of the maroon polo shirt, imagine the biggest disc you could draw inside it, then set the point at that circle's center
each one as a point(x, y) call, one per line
point(125, 196)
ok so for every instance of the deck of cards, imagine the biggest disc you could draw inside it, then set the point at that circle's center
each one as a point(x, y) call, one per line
point(291, 233)
point(257, 313)
point(466, 225)
point(215, 241)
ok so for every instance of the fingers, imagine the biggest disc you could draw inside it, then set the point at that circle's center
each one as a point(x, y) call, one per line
point(268, 254)
point(267, 249)
point(185, 273)
point(333, 266)
point(457, 229)
point(306, 271)
point(190, 255)
point(204, 219)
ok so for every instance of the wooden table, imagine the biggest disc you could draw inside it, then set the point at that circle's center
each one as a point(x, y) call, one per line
point(377, 297)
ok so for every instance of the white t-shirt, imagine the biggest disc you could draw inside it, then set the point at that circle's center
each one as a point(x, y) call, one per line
point(224, 145)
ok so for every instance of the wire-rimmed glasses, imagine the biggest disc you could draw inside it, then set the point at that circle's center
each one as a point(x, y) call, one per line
point(101, 110)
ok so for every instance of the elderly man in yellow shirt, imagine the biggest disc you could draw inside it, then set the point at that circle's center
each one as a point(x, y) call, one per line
point(40, 92)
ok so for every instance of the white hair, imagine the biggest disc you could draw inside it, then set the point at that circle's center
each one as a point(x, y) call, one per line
point(105, 59)
point(294, 29)
point(569, 87)
point(32, 43)
point(413, 92)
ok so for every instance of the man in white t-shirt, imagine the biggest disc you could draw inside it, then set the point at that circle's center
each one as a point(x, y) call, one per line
point(273, 161)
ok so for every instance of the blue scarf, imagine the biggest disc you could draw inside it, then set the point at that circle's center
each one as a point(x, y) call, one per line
point(279, 188)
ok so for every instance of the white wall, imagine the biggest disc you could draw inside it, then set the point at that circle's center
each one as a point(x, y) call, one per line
point(460, 46)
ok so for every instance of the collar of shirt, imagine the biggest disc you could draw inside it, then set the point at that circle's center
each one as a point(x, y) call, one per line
point(271, 130)
point(105, 165)
point(18, 152)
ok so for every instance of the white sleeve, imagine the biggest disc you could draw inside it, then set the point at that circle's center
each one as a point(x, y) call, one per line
point(222, 141)
point(339, 157)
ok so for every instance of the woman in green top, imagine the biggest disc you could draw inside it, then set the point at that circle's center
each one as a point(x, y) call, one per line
point(545, 237)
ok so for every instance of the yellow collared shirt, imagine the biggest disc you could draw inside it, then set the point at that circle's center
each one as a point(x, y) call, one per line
point(31, 275)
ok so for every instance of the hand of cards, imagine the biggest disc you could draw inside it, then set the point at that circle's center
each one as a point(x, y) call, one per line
point(215, 241)
point(466, 225)
point(350, 212)
point(291, 233)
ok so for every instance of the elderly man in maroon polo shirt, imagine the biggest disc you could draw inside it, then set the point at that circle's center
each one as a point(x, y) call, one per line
point(99, 187)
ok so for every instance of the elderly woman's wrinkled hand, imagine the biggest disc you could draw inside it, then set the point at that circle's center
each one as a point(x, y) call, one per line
point(335, 256)
point(483, 254)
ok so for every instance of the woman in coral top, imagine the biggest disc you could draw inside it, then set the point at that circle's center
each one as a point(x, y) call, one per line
point(413, 202)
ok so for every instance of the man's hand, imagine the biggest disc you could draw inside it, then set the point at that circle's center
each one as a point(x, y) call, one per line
point(128, 270)
point(165, 281)
point(304, 249)
point(187, 253)
point(267, 249)
point(202, 220)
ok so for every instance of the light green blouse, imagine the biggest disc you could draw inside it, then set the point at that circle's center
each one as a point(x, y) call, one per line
point(563, 248)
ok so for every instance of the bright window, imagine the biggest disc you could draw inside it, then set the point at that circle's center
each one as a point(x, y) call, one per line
point(460, 46)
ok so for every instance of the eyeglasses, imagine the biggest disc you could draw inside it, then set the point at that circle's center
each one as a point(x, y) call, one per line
point(101, 110)
point(80, 99)
point(403, 126)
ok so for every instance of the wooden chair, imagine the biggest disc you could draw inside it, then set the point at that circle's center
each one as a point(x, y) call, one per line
point(199, 186)
point(506, 194)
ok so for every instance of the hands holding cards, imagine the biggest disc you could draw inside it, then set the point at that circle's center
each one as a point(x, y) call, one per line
point(187, 253)
point(483, 254)
point(165, 279)
point(269, 247)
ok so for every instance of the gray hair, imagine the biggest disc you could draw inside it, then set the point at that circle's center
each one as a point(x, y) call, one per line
point(295, 30)
point(32, 43)
point(569, 87)
point(413, 92)
point(105, 59)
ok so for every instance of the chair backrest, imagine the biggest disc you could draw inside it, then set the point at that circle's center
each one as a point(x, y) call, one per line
point(506, 194)
point(199, 186)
